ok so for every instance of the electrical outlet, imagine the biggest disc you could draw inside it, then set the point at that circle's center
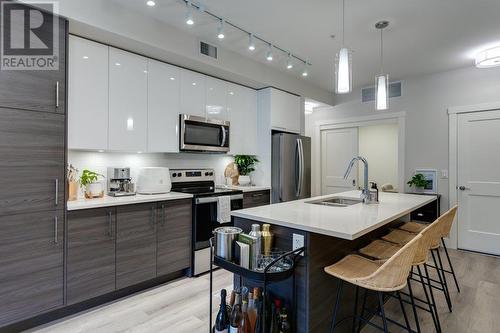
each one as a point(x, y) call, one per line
point(297, 242)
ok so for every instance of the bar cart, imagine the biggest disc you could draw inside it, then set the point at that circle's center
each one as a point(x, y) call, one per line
point(262, 279)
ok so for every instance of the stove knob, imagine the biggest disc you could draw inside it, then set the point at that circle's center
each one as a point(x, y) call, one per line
point(211, 174)
point(174, 175)
point(179, 174)
point(206, 173)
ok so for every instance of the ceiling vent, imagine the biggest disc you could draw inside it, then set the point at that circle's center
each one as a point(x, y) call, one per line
point(208, 50)
point(368, 94)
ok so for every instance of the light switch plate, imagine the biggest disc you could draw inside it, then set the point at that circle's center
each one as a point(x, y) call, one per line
point(297, 242)
point(444, 174)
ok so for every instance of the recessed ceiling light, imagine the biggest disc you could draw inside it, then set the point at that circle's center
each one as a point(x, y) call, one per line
point(172, 78)
point(231, 93)
point(488, 58)
point(85, 57)
point(117, 64)
point(150, 3)
point(194, 83)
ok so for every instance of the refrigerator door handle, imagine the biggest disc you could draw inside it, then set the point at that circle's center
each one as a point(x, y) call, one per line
point(302, 167)
point(298, 185)
point(282, 162)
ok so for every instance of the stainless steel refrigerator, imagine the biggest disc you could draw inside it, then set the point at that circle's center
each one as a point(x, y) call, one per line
point(291, 167)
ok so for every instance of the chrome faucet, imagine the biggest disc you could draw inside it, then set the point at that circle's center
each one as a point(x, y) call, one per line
point(365, 194)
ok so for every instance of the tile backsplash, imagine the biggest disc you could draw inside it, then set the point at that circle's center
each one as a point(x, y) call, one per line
point(99, 162)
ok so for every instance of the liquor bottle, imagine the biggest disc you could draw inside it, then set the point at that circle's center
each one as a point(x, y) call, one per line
point(258, 327)
point(222, 319)
point(236, 315)
point(267, 239)
point(245, 326)
point(276, 316)
point(252, 310)
point(285, 323)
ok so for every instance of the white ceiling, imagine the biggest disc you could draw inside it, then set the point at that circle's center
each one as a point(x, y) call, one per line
point(424, 36)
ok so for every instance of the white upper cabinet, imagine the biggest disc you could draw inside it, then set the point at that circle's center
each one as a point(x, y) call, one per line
point(216, 99)
point(192, 93)
point(164, 83)
point(242, 109)
point(87, 95)
point(128, 94)
point(285, 111)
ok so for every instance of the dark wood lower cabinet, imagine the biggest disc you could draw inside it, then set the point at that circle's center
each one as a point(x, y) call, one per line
point(90, 270)
point(135, 244)
point(257, 198)
point(31, 264)
point(174, 236)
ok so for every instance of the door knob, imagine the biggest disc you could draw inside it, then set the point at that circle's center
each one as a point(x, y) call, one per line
point(463, 188)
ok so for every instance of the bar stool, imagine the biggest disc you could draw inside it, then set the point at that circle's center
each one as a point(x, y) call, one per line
point(415, 227)
point(383, 250)
point(389, 276)
point(401, 237)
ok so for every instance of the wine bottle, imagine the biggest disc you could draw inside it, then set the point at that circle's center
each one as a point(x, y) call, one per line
point(258, 327)
point(252, 310)
point(245, 326)
point(236, 315)
point(222, 319)
point(285, 323)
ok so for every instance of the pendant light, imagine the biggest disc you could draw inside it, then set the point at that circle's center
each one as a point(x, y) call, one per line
point(382, 80)
point(343, 63)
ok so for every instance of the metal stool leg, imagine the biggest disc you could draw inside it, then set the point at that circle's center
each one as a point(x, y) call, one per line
point(337, 303)
point(414, 307)
point(435, 319)
point(362, 310)
point(443, 286)
point(407, 322)
point(354, 318)
point(382, 312)
point(450, 264)
point(434, 305)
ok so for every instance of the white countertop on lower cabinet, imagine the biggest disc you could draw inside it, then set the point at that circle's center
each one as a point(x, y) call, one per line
point(251, 188)
point(108, 201)
point(348, 222)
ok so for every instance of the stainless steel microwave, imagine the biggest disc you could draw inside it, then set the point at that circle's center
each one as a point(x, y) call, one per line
point(203, 135)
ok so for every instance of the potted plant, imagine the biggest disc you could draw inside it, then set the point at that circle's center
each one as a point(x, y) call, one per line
point(245, 164)
point(418, 181)
point(89, 180)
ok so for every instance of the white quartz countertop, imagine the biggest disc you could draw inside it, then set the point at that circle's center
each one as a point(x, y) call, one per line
point(108, 201)
point(348, 222)
point(251, 188)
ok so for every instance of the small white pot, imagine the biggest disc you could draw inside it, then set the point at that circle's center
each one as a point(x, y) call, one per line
point(94, 190)
point(419, 190)
point(244, 180)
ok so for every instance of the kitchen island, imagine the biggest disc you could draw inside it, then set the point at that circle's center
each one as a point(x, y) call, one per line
point(331, 229)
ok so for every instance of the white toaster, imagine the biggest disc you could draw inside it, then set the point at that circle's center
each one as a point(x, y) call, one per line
point(154, 180)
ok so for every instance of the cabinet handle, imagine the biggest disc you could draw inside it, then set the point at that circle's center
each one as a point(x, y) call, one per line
point(57, 191)
point(163, 215)
point(257, 195)
point(420, 214)
point(152, 219)
point(57, 94)
point(110, 225)
point(55, 229)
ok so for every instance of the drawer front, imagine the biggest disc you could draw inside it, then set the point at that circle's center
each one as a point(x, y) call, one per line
point(427, 213)
point(257, 198)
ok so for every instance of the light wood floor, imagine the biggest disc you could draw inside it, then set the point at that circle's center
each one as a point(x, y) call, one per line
point(182, 305)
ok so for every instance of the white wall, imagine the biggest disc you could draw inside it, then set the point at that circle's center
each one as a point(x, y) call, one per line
point(379, 145)
point(99, 162)
point(111, 23)
point(425, 100)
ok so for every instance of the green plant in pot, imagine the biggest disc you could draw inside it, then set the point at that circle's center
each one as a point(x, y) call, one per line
point(89, 180)
point(418, 181)
point(245, 164)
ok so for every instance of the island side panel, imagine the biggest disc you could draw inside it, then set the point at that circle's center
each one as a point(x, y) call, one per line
point(283, 240)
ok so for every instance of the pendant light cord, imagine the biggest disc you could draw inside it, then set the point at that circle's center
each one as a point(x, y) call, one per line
point(381, 51)
point(343, 22)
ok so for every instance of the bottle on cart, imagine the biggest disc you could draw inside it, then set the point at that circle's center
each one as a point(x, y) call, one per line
point(273, 328)
point(258, 328)
point(277, 315)
point(284, 322)
point(267, 239)
point(236, 315)
point(245, 326)
point(222, 319)
point(252, 309)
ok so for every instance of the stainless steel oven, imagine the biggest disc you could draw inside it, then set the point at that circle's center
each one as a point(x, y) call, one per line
point(203, 135)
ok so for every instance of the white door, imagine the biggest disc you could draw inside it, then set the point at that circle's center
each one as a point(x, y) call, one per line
point(163, 107)
point(128, 101)
point(338, 147)
point(479, 181)
point(87, 95)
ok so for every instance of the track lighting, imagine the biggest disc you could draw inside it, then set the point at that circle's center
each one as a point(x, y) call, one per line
point(304, 72)
point(251, 44)
point(220, 31)
point(189, 13)
point(289, 64)
point(150, 3)
point(269, 55)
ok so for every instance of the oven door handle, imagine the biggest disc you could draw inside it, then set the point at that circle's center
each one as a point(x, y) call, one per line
point(200, 201)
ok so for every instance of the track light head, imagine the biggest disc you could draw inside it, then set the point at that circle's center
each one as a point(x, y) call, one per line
point(220, 30)
point(269, 55)
point(251, 44)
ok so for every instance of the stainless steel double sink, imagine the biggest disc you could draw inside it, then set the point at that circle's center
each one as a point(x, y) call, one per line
point(336, 202)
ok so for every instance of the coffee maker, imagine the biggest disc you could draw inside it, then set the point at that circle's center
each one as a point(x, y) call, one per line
point(119, 182)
